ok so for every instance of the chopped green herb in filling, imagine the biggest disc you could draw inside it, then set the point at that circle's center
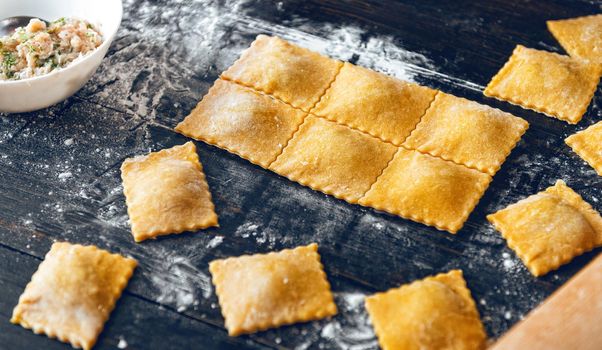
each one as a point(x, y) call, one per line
point(40, 48)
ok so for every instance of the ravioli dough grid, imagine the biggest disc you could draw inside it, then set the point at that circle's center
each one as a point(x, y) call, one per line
point(436, 312)
point(580, 37)
point(293, 74)
point(524, 82)
point(588, 145)
point(428, 190)
point(550, 228)
point(467, 133)
point(281, 288)
point(90, 281)
point(245, 122)
point(166, 192)
point(333, 159)
point(375, 103)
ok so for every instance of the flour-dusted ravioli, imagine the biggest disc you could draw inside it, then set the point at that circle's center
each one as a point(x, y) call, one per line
point(467, 132)
point(293, 74)
point(372, 102)
point(588, 145)
point(166, 192)
point(550, 228)
point(262, 291)
point(581, 37)
point(73, 292)
point(437, 312)
point(334, 159)
point(428, 190)
point(242, 121)
point(557, 85)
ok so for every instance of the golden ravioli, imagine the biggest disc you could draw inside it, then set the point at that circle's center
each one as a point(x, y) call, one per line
point(434, 313)
point(251, 125)
point(468, 133)
point(559, 86)
point(426, 189)
point(372, 102)
point(581, 37)
point(550, 228)
point(291, 73)
point(334, 159)
point(73, 292)
point(166, 192)
point(262, 291)
point(588, 145)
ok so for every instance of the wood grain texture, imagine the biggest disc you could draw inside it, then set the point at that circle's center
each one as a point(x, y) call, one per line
point(59, 168)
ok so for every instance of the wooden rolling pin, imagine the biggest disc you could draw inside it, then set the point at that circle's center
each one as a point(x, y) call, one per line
point(571, 318)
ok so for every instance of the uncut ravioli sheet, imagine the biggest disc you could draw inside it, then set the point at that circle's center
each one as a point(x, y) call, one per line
point(73, 292)
point(339, 128)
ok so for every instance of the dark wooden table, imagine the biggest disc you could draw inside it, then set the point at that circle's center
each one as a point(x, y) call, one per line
point(59, 169)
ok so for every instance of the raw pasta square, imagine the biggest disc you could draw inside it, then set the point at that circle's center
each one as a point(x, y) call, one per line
point(428, 190)
point(262, 291)
point(73, 292)
point(166, 192)
point(467, 132)
point(581, 37)
point(242, 121)
point(550, 228)
point(557, 85)
point(437, 312)
point(372, 102)
point(588, 145)
point(293, 74)
point(334, 159)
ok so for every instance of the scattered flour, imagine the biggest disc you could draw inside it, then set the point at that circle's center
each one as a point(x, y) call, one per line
point(215, 241)
point(68, 142)
point(351, 328)
point(122, 343)
point(65, 175)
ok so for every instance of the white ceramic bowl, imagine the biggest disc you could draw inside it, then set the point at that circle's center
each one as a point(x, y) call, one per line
point(43, 91)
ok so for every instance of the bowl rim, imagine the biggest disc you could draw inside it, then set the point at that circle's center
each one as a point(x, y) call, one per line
point(107, 41)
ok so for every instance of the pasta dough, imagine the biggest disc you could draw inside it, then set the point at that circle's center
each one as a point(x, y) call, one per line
point(588, 145)
point(546, 82)
point(550, 228)
point(291, 73)
point(427, 190)
point(166, 192)
point(334, 159)
point(264, 291)
point(581, 37)
point(468, 133)
point(434, 313)
point(372, 102)
point(73, 292)
point(242, 121)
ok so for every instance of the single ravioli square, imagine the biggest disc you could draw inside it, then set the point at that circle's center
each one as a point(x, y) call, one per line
point(553, 84)
point(437, 312)
point(166, 192)
point(428, 190)
point(375, 103)
point(550, 228)
point(588, 145)
point(242, 121)
point(333, 159)
point(73, 292)
point(467, 132)
point(293, 74)
point(581, 37)
point(262, 291)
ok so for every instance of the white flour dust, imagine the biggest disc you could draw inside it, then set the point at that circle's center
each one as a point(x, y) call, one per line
point(351, 328)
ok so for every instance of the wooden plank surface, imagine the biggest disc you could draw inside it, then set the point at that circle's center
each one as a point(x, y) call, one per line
point(59, 168)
